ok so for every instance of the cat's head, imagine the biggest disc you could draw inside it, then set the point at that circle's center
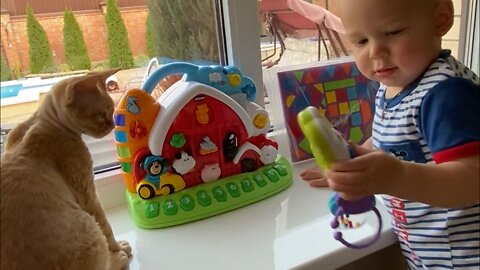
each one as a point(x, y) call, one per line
point(83, 105)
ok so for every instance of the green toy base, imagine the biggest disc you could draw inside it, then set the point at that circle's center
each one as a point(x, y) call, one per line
point(210, 199)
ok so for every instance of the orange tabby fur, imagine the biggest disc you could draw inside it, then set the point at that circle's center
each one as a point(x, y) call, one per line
point(50, 214)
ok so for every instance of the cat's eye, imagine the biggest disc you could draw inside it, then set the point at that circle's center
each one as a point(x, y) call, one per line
point(101, 115)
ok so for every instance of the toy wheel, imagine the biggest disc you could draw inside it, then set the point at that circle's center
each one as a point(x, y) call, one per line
point(168, 189)
point(248, 165)
point(146, 192)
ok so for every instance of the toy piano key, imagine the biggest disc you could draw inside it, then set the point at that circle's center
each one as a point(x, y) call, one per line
point(327, 147)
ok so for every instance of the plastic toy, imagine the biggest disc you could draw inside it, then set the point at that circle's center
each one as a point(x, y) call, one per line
point(328, 146)
point(199, 150)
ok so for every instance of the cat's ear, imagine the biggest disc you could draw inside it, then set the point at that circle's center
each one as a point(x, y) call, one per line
point(102, 77)
point(96, 79)
point(81, 88)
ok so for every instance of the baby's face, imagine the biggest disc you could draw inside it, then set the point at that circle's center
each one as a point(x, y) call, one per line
point(394, 41)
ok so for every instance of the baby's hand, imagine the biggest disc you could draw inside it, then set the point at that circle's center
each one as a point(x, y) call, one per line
point(370, 172)
point(315, 177)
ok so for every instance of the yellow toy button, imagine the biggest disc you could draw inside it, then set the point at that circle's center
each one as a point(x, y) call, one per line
point(234, 80)
point(260, 120)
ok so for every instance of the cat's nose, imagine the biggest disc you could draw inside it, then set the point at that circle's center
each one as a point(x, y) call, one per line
point(110, 125)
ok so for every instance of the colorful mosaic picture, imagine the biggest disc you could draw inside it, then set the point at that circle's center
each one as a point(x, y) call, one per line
point(338, 90)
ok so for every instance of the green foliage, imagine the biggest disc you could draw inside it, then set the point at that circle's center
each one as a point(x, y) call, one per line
point(151, 36)
point(185, 29)
point(76, 55)
point(40, 53)
point(5, 71)
point(120, 54)
point(141, 60)
point(16, 72)
point(100, 65)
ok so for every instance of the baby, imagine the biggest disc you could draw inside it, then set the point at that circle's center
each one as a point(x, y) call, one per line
point(425, 145)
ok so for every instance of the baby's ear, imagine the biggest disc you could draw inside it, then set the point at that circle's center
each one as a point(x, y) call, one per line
point(443, 17)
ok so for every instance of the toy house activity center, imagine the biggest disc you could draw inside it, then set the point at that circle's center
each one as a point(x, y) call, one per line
point(199, 150)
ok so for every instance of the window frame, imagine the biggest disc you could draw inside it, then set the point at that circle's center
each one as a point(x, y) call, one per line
point(468, 47)
point(242, 41)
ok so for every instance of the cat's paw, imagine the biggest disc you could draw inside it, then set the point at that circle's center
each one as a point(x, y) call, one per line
point(119, 260)
point(125, 247)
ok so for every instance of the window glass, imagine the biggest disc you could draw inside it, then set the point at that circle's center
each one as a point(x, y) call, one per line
point(451, 39)
point(181, 31)
point(155, 32)
point(294, 36)
point(290, 35)
point(300, 46)
point(294, 33)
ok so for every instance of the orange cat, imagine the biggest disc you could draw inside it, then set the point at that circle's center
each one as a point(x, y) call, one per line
point(50, 214)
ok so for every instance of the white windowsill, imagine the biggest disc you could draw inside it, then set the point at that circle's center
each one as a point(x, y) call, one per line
point(110, 188)
point(288, 230)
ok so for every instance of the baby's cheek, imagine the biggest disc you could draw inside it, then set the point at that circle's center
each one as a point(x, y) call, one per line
point(365, 66)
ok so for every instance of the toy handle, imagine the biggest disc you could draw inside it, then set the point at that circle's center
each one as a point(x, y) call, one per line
point(166, 70)
point(339, 236)
point(231, 81)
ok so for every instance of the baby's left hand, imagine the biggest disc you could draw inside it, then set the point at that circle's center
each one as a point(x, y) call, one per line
point(314, 177)
point(370, 172)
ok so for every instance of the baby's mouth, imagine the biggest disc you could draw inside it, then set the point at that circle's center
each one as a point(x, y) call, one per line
point(384, 72)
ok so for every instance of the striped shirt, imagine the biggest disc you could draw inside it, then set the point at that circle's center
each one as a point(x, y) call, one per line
point(434, 120)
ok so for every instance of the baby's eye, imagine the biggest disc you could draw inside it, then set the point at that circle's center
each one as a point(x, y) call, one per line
point(395, 32)
point(360, 42)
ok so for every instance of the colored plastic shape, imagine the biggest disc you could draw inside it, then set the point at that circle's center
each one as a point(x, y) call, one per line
point(219, 194)
point(258, 178)
point(119, 119)
point(233, 189)
point(123, 151)
point(203, 198)
point(126, 167)
point(271, 175)
point(120, 136)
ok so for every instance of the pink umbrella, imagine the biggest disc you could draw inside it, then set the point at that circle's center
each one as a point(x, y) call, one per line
point(293, 17)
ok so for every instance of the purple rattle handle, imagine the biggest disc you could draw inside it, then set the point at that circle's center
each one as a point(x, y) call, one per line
point(355, 207)
point(339, 236)
point(351, 208)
